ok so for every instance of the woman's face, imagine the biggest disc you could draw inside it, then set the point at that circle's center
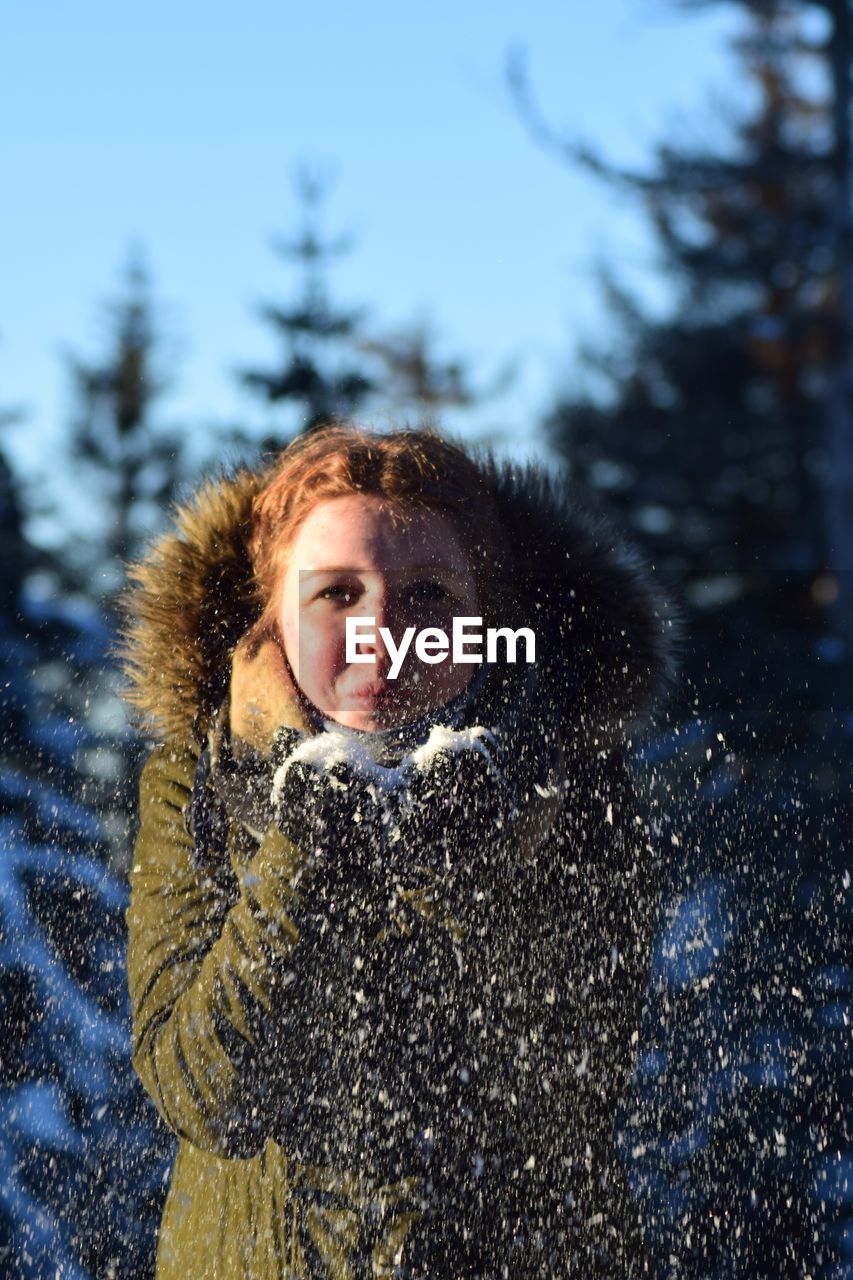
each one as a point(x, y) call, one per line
point(349, 558)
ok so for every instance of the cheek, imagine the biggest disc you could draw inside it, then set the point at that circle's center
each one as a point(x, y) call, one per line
point(434, 678)
point(290, 634)
point(322, 648)
point(455, 678)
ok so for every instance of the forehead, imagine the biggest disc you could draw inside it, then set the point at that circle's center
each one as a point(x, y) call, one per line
point(364, 532)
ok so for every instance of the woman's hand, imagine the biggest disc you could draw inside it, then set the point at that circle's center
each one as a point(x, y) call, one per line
point(457, 797)
point(335, 817)
point(479, 802)
point(359, 1066)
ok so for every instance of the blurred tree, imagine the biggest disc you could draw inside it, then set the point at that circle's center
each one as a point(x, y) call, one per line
point(16, 561)
point(46, 642)
point(721, 435)
point(711, 436)
point(320, 372)
point(335, 365)
point(126, 468)
point(82, 1158)
point(410, 373)
point(832, 48)
point(736, 1133)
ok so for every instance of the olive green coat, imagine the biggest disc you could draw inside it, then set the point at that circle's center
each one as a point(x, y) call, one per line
point(209, 947)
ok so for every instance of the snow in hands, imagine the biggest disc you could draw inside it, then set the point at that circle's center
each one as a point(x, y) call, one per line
point(324, 750)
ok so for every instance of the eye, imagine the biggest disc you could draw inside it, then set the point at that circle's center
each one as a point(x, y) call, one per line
point(428, 591)
point(337, 592)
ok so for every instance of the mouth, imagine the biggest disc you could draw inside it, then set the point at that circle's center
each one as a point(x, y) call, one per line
point(378, 691)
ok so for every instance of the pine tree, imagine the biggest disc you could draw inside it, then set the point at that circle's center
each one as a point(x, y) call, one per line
point(711, 439)
point(716, 442)
point(320, 372)
point(125, 469)
point(336, 364)
point(81, 1162)
point(126, 465)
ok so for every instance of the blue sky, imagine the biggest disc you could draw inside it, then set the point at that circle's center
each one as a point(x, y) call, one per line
point(179, 126)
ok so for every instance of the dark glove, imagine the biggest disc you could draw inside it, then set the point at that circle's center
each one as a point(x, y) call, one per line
point(333, 815)
point(459, 812)
point(337, 819)
point(477, 808)
point(340, 1104)
point(468, 810)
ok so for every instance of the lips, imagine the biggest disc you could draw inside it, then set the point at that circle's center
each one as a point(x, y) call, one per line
point(379, 689)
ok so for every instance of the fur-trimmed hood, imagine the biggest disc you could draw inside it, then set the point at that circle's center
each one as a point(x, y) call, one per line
point(606, 636)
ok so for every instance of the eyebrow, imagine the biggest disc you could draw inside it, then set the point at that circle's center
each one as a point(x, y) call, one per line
point(414, 568)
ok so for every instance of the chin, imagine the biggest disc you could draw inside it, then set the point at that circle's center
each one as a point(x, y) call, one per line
point(380, 718)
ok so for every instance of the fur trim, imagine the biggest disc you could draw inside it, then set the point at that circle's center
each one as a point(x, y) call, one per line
point(610, 638)
point(262, 696)
point(606, 637)
point(189, 602)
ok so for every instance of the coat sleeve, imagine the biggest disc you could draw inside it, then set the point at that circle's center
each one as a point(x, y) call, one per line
point(208, 966)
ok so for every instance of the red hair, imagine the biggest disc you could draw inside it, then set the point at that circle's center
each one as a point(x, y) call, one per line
point(411, 470)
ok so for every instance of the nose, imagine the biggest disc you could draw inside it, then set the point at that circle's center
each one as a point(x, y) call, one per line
point(379, 603)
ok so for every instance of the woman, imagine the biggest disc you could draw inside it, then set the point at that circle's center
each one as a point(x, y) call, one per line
point(388, 937)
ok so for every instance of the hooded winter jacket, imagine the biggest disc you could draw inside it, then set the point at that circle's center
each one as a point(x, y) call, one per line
point(522, 1045)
